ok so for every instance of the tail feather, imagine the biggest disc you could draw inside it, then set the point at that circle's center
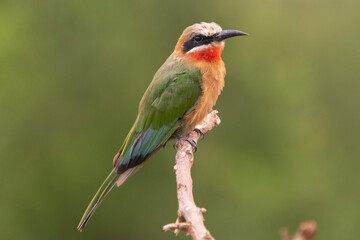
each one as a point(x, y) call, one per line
point(105, 188)
point(128, 173)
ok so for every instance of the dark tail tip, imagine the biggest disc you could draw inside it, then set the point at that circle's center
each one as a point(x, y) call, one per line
point(105, 188)
point(86, 218)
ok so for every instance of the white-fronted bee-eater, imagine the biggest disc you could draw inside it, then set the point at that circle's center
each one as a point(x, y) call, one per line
point(182, 92)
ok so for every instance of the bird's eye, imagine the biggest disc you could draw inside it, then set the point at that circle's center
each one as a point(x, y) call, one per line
point(197, 38)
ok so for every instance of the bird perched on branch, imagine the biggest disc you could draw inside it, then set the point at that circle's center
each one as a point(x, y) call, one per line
point(182, 92)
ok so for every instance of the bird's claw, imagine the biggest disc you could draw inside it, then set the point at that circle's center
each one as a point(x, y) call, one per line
point(200, 132)
point(192, 143)
point(189, 140)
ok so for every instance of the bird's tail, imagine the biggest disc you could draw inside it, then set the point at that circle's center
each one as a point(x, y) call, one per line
point(105, 188)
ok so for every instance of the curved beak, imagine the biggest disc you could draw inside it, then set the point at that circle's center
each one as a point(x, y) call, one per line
point(228, 34)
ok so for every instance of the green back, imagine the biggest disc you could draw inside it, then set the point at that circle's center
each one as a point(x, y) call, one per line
point(171, 94)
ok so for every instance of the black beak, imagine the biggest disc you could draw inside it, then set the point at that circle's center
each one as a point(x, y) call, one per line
point(228, 34)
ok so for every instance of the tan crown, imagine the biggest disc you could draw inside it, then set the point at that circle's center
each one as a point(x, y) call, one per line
point(203, 28)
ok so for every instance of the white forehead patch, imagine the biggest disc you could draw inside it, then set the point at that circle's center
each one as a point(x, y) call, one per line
point(206, 29)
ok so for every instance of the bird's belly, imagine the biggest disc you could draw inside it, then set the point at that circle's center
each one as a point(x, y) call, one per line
point(194, 117)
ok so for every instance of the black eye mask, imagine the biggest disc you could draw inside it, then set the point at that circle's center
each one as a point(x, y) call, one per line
point(196, 41)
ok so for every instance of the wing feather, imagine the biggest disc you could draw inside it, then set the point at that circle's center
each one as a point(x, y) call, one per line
point(159, 117)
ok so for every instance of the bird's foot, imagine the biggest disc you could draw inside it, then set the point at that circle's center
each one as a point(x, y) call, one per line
point(200, 132)
point(189, 140)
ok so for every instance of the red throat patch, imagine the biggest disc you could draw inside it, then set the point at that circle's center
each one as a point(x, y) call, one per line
point(208, 54)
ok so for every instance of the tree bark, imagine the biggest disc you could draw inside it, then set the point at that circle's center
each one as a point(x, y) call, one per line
point(190, 217)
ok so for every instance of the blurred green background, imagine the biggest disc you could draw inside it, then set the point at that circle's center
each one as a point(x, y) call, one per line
point(72, 74)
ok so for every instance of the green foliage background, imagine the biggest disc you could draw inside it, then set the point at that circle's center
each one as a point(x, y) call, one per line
point(72, 74)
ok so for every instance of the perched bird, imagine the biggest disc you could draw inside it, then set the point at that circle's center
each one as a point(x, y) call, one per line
point(182, 92)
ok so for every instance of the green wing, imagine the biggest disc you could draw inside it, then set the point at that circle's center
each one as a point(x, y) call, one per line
point(171, 94)
point(165, 102)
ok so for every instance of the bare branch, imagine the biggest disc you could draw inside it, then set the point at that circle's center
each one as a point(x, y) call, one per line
point(306, 231)
point(190, 217)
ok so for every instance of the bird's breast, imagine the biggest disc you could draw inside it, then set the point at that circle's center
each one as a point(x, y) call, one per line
point(212, 84)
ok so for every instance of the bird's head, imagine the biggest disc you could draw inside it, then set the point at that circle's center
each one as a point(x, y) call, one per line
point(204, 41)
